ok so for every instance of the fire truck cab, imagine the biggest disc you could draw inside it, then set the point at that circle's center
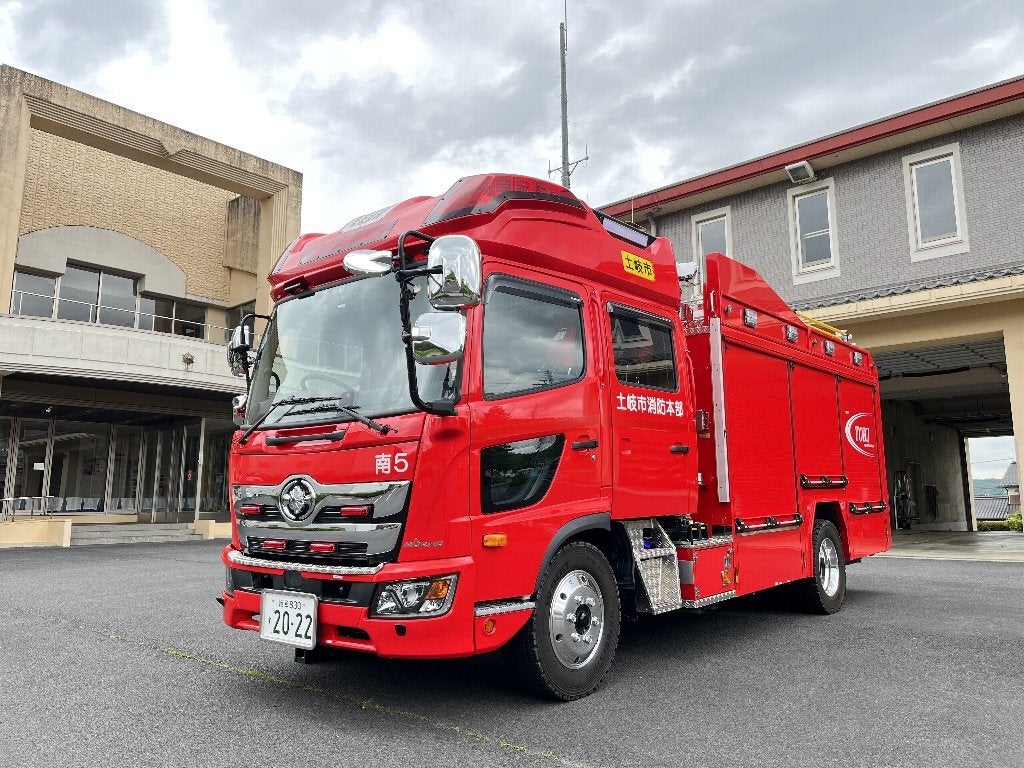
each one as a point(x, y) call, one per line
point(486, 420)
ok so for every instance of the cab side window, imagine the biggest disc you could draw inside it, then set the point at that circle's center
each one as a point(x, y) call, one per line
point(644, 354)
point(533, 338)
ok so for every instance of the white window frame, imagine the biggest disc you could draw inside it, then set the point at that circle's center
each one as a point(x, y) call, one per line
point(826, 270)
point(698, 257)
point(958, 243)
point(706, 217)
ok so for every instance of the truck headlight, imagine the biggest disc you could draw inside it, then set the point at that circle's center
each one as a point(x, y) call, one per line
point(415, 598)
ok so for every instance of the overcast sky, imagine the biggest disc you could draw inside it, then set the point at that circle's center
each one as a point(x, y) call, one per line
point(375, 101)
point(990, 456)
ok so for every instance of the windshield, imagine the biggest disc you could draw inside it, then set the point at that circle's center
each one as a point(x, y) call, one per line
point(343, 344)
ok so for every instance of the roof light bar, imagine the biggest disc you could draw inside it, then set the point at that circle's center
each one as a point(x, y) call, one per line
point(485, 194)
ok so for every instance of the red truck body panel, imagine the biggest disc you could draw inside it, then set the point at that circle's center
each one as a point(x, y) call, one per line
point(758, 425)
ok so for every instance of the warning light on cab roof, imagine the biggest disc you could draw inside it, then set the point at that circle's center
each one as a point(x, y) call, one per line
point(484, 194)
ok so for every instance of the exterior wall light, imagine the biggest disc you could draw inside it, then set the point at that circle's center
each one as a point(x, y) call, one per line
point(800, 173)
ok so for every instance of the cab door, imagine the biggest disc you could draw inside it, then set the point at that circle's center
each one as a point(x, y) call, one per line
point(536, 440)
point(653, 435)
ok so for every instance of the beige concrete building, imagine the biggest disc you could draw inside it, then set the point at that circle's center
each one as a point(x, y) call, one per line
point(127, 248)
point(906, 231)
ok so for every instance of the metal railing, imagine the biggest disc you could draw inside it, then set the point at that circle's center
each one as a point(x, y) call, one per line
point(96, 311)
point(49, 505)
point(30, 505)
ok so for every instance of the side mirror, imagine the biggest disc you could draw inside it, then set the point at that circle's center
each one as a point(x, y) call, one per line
point(459, 283)
point(238, 350)
point(241, 339)
point(438, 337)
point(364, 263)
point(238, 409)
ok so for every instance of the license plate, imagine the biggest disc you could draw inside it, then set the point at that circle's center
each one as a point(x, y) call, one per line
point(289, 618)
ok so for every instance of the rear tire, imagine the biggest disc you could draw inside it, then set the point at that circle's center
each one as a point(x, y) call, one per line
point(568, 645)
point(825, 591)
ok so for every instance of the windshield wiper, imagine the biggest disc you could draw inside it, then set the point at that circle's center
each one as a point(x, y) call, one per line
point(382, 428)
point(348, 411)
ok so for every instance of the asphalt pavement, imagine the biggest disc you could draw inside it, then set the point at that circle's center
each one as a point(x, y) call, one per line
point(116, 656)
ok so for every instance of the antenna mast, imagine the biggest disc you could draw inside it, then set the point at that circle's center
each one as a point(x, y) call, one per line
point(566, 168)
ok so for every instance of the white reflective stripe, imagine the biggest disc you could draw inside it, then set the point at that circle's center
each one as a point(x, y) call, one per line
point(509, 606)
point(238, 558)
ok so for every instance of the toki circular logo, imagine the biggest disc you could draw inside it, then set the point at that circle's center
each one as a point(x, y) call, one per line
point(858, 434)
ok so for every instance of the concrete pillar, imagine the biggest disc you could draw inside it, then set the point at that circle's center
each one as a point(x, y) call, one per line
point(14, 140)
point(278, 226)
point(972, 509)
point(1013, 342)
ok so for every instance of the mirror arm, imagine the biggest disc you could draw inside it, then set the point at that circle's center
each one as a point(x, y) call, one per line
point(405, 276)
point(403, 264)
point(245, 355)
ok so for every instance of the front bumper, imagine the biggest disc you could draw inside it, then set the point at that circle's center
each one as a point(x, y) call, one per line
point(346, 594)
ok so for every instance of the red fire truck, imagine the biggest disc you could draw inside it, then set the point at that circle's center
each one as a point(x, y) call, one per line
point(487, 420)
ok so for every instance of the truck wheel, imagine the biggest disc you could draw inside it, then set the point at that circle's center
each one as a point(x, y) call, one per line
point(824, 592)
point(566, 648)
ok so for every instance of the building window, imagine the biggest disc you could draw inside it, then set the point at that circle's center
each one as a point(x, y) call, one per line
point(92, 296)
point(79, 295)
point(712, 233)
point(33, 295)
point(812, 227)
point(170, 316)
point(935, 203)
point(117, 300)
point(233, 318)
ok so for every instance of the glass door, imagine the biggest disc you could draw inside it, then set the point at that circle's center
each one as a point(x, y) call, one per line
point(151, 446)
point(79, 465)
point(31, 464)
point(189, 474)
point(215, 469)
point(124, 486)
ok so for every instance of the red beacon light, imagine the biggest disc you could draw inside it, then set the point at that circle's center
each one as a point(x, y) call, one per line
point(296, 246)
point(486, 193)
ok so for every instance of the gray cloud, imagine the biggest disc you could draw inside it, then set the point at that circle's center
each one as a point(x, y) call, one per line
point(659, 91)
point(66, 39)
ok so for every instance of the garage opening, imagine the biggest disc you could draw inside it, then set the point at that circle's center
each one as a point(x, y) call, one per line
point(934, 399)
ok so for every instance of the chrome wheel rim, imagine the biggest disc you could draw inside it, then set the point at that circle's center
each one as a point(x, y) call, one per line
point(828, 567)
point(576, 619)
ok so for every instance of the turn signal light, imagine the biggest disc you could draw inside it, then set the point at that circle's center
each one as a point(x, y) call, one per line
point(250, 509)
point(438, 590)
point(495, 539)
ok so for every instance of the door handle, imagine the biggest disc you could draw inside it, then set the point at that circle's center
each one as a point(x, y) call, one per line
point(684, 449)
point(582, 445)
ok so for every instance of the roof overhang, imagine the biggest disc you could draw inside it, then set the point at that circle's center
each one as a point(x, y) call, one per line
point(958, 113)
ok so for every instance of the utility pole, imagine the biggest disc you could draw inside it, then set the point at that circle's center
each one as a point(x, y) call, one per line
point(567, 167)
point(565, 111)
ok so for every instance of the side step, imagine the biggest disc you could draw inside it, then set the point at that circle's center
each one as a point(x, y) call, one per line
point(656, 560)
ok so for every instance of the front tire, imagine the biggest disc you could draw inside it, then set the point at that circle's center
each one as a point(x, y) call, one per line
point(568, 645)
point(825, 591)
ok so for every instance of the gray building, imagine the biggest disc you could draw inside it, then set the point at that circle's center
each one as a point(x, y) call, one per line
point(908, 233)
